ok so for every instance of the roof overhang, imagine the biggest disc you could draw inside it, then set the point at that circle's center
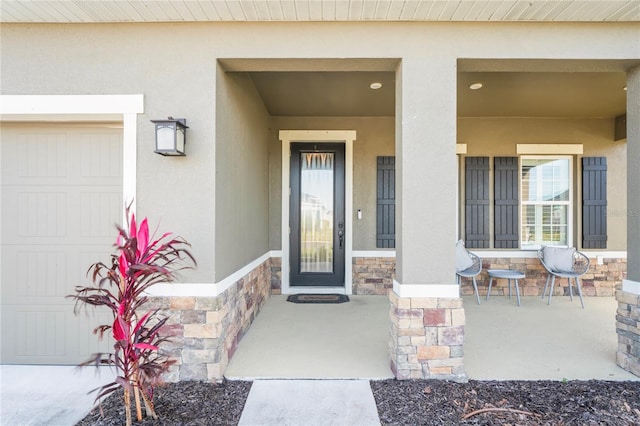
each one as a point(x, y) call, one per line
point(104, 11)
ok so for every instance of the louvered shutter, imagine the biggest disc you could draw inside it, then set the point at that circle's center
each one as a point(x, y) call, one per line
point(386, 203)
point(476, 203)
point(506, 199)
point(594, 202)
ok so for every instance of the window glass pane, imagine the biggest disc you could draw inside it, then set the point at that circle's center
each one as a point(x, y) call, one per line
point(545, 196)
point(545, 225)
point(316, 212)
point(545, 179)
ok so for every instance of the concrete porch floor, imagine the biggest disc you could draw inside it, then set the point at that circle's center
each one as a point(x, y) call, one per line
point(502, 341)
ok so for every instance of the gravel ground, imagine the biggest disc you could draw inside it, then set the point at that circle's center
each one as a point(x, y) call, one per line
point(420, 402)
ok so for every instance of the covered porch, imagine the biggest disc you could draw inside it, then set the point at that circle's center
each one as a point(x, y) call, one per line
point(502, 341)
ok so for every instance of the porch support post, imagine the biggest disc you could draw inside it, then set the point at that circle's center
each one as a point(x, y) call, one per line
point(427, 318)
point(628, 315)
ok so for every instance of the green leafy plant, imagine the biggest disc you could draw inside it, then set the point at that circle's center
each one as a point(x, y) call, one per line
point(139, 263)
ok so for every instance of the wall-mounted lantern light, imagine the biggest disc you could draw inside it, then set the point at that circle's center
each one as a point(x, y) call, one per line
point(171, 136)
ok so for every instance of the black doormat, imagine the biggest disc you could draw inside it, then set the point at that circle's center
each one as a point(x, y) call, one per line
point(318, 298)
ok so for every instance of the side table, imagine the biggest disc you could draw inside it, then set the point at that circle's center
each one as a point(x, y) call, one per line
point(507, 274)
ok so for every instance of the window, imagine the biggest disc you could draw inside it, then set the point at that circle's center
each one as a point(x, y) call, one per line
point(546, 207)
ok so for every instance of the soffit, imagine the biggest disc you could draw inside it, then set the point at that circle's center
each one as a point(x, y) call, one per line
point(64, 11)
point(504, 94)
point(320, 94)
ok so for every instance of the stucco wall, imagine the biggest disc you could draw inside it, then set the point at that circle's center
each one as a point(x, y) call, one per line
point(175, 67)
point(374, 137)
point(242, 174)
point(499, 137)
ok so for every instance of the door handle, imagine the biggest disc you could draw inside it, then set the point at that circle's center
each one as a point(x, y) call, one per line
point(340, 234)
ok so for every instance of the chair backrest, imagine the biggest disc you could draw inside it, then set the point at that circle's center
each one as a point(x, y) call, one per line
point(463, 258)
point(563, 260)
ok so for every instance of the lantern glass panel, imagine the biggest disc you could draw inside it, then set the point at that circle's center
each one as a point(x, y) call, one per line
point(164, 138)
point(180, 140)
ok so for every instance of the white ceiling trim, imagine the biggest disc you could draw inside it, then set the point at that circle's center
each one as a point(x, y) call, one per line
point(95, 11)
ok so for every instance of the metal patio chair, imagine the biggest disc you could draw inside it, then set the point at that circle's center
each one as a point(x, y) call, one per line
point(563, 262)
point(463, 270)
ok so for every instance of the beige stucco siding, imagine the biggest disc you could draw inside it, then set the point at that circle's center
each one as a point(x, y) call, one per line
point(242, 174)
point(175, 67)
point(494, 137)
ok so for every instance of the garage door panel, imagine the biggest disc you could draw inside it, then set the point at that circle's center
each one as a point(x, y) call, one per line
point(71, 215)
point(41, 214)
point(40, 331)
point(102, 158)
point(40, 155)
point(99, 213)
point(61, 196)
point(39, 275)
point(51, 334)
point(36, 275)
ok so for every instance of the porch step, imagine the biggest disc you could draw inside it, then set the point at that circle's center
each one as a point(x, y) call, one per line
point(310, 402)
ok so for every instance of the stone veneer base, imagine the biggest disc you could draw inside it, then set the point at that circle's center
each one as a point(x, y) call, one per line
point(374, 276)
point(427, 337)
point(628, 329)
point(205, 331)
point(600, 280)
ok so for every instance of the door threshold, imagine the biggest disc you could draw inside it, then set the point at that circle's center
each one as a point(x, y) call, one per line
point(310, 289)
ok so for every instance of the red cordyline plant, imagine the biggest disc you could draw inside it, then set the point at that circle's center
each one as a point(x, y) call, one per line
point(139, 263)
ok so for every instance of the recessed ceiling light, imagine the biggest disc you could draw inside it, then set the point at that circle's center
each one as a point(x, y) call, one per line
point(625, 88)
point(375, 85)
point(475, 86)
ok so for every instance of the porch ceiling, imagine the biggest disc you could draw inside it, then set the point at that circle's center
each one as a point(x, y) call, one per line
point(63, 11)
point(504, 94)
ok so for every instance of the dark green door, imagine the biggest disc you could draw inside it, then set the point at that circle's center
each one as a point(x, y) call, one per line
point(317, 238)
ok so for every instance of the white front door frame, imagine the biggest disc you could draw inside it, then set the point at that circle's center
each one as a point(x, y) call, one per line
point(342, 136)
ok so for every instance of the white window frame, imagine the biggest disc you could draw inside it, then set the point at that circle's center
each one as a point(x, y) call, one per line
point(569, 203)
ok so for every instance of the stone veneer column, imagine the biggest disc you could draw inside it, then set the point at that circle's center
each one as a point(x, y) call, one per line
point(427, 335)
point(628, 315)
point(426, 314)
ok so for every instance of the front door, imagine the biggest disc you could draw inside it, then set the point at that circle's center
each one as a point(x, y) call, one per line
point(317, 238)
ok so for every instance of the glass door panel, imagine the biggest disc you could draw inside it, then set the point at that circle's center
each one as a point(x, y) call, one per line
point(316, 212)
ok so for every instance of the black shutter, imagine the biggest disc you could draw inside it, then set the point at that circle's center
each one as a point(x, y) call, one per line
point(594, 202)
point(386, 205)
point(476, 203)
point(506, 202)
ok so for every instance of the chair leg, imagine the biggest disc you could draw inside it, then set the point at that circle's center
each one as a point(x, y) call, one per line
point(579, 291)
point(475, 288)
point(489, 291)
point(509, 284)
point(570, 289)
point(546, 284)
point(553, 281)
point(517, 291)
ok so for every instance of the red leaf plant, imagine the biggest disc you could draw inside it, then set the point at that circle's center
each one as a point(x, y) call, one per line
point(139, 263)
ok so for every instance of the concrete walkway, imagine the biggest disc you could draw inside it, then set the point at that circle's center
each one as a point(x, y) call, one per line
point(44, 395)
point(310, 403)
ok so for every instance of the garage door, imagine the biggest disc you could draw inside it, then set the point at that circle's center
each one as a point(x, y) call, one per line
point(61, 196)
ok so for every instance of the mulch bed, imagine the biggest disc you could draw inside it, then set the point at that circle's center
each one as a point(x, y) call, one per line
point(431, 402)
point(183, 403)
point(414, 402)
